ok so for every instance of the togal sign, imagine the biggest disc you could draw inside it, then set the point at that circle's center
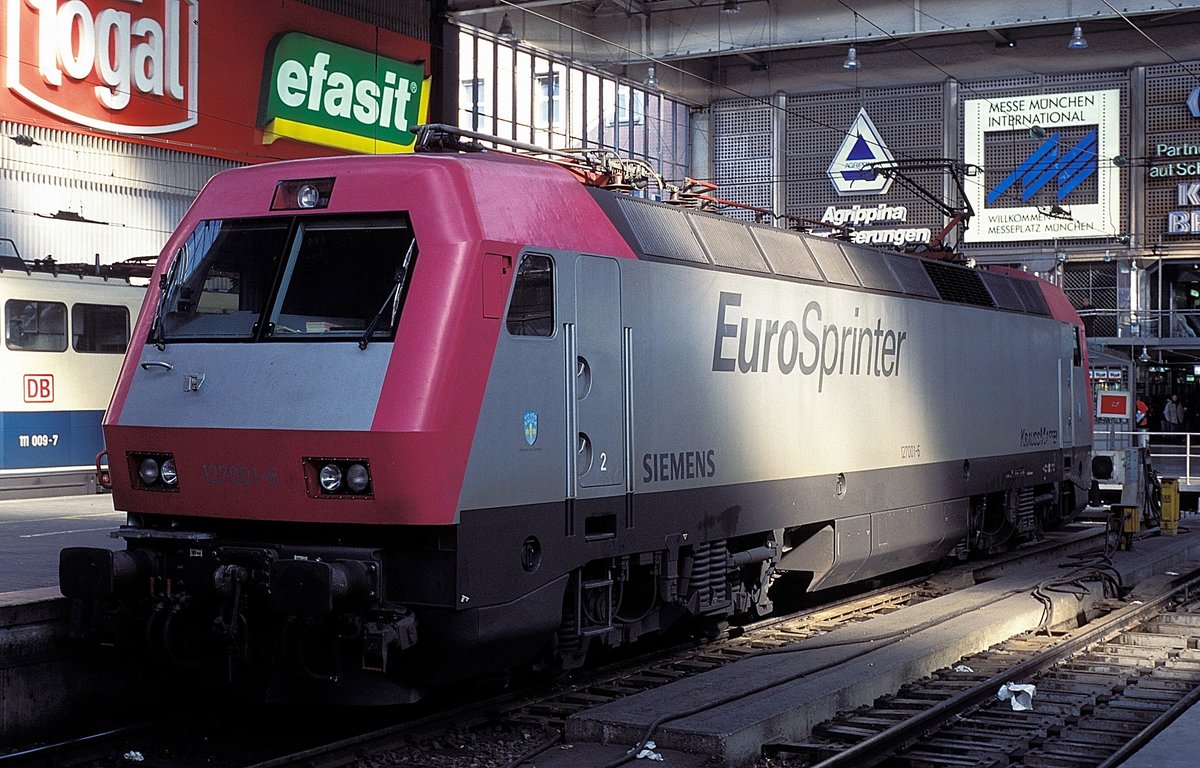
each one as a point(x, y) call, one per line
point(119, 66)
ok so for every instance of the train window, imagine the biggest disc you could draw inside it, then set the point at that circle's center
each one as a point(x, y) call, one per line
point(220, 281)
point(99, 328)
point(347, 278)
point(531, 311)
point(258, 279)
point(35, 326)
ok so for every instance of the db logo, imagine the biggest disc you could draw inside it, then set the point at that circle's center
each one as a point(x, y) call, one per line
point(39, 388)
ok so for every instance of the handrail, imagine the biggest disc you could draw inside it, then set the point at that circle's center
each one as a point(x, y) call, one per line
point(1142, 323)
point(1166, 455)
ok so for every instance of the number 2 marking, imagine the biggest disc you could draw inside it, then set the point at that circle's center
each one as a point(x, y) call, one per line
point(603, 461)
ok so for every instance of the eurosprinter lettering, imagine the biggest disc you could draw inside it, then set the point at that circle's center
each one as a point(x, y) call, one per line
point(827, 349)
point(325, 93)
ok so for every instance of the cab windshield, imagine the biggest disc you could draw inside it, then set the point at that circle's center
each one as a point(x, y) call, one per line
point(278, 278)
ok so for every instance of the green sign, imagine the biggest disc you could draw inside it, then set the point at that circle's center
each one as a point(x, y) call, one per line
point(325, 93)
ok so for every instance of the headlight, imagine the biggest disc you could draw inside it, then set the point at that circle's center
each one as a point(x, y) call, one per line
point(338, 477)
point(331, 478)
point(153, 471)
point(168, 473)
point(308, 196)
point(357, 478)
point(148, 471)
point(302, 194)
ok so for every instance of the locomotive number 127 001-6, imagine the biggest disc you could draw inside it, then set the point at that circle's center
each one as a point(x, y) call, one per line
point(228, 474)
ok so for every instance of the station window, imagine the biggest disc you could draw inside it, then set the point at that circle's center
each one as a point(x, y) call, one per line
point(548, 100)
point(531, 311)
point(474, 91)
point(99, 328)
point(35, 326)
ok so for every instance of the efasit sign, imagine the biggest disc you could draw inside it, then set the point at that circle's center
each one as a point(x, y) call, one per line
point(127, 67)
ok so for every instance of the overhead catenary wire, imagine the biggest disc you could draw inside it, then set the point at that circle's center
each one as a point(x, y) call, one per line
point(711, 83)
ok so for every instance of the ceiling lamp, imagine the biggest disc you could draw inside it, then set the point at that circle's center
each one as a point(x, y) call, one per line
point(1077, 42)
point(506, 31)
point(651, 77)
point(731, 6)
point(851, 61)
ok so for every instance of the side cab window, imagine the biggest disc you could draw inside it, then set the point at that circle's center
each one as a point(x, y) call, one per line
point(531, 311)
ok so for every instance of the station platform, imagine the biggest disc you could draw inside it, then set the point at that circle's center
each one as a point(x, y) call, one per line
point(32, 531)
point(1176, 747)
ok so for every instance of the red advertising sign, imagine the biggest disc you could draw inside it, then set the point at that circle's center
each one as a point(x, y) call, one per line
point(150, 71)
point(1114, 404)
point(87, 65)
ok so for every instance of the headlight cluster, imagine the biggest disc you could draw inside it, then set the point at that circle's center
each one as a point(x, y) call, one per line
point(154, 471)
point(339, 477)
point(300, 194)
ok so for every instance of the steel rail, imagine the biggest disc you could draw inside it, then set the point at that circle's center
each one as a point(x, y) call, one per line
point(883, 745)
point(1152, 729)
point(59, 752)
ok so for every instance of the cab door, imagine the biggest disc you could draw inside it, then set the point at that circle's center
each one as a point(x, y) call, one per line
point(597, 390)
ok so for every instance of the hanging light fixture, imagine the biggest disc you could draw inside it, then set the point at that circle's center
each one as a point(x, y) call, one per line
point(1145, 356)
point(651, 77)
point(506, 31)
point(731, 6)
point(1077, 42)
point(851, 61)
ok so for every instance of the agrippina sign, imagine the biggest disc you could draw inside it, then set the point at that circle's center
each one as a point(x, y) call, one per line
point(850, 170)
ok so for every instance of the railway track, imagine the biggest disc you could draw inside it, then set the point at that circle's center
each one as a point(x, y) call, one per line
point(1102, 692)
point(498, 728)
point(504, 724)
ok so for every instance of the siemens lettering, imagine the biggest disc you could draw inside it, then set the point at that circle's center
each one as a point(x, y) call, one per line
point(810, 346)
point(679, 465)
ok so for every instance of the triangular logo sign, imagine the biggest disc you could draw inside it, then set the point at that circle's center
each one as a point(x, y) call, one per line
point(862, 146)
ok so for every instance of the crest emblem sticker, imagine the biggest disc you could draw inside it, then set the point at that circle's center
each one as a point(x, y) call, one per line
point(531, 427)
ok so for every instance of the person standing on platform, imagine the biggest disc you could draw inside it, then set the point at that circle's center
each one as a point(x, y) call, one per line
point(1142, 422)
point(1173, 415)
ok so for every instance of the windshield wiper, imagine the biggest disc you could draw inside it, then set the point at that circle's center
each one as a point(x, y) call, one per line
point(393, 298)
point(157, 332)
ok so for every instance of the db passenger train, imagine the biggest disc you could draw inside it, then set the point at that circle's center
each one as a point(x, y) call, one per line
point(66, 329)
point(391, 421)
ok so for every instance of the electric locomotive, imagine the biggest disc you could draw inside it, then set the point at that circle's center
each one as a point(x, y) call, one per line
point(391, 421)
point(66, 328)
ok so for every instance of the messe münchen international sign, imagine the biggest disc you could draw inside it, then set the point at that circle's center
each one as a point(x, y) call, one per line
point(1048, 169)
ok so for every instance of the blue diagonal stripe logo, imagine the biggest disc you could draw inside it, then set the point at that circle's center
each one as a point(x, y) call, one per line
point(1070, 170)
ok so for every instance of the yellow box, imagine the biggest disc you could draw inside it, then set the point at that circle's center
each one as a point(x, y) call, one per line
point(1169, 517)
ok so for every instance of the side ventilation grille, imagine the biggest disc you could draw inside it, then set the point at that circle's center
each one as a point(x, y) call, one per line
point(958, 284)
